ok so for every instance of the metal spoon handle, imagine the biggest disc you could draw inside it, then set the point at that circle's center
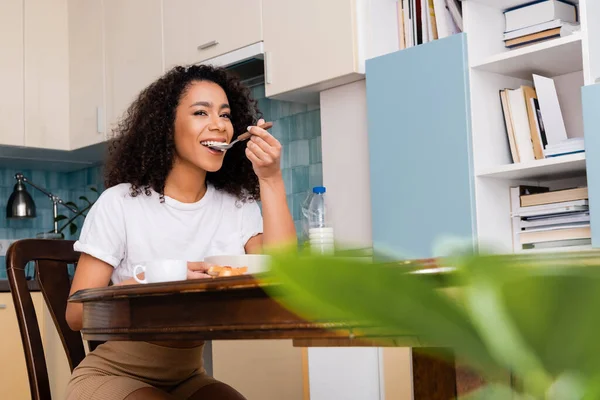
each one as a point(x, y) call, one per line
point(243, 136)
point(247, 135)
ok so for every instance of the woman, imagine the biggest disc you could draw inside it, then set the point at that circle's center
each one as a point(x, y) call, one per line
point(169, 196)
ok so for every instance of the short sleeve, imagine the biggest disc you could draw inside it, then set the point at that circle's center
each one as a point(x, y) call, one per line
point(103, 232)
point(252, 222)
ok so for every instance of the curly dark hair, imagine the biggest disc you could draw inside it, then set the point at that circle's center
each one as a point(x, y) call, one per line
point(142, 150)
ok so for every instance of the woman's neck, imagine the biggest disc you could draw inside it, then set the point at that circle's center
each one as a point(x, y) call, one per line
point(185, 183)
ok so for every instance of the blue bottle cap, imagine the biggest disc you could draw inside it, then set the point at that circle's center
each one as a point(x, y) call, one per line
point(319, 190)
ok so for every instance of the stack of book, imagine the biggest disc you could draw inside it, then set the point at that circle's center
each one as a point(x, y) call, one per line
point(539, 21)
point(569, 146)
point(422, 21)
point(534, 124)
point(544, 220)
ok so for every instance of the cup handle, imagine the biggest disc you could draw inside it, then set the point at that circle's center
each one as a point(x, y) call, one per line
point(135, 273)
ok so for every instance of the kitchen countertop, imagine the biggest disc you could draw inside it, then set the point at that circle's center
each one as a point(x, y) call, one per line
point(4, 286)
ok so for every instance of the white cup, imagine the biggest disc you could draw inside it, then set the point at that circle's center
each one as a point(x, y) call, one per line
point(162, 271)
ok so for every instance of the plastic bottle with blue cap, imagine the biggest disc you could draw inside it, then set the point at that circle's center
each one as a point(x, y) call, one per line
point(317, 224)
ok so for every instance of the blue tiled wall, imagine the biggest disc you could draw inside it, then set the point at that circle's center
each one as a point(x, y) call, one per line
point(68, 186)
point(296, 126)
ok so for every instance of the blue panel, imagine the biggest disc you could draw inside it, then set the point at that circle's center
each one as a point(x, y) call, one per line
point(420, 147)
point(591, 120)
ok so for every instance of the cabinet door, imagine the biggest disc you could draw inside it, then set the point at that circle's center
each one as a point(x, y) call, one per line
point(420, 147)
point(86, 71)
point(12, 130)
point(13, 371)
point(307, 42)
point(589, 11)
point(59, 372)
point(591, 121)
point(133, 34)
point(195, 31)
point(46, 74)
point(260, 369)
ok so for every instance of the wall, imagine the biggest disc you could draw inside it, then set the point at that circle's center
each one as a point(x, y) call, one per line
point(69, 186)
point(298, 127)
point(353, 373)
point(346, 173)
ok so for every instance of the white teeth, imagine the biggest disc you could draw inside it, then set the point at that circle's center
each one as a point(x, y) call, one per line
point(210, 143)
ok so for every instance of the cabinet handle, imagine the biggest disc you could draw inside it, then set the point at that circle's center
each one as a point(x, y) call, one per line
point(268, 70)
point(99, 120)
point(2, 306)
point(207, 45)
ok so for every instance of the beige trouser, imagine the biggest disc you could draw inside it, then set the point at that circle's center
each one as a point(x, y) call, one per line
point(116, 369)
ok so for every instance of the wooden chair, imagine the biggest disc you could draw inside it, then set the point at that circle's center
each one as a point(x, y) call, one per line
point(51, 258)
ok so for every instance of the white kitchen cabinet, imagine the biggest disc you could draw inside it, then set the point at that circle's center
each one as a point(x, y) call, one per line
point(11, 79)
point(315, 45)
point(14, 380)
point(59, 372)
point(46, 74)
point(13, 371)
point(86, 73)
point(133, 50)
point(261, 369)
point(195, 31)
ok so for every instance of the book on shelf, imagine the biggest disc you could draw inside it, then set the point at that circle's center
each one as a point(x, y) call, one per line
point(538, 12)
point(534, 124)
point(568, 146)
point(517, 103)
point(558, 245)
point(553, 220)
point(539, 20)
point(524, 128)
point(557, 234)
point(555, 196)
point(422, 21)
point(545, 219)
point(545, 26)
point(541, 36)
point(553, 208)
point(554, 124)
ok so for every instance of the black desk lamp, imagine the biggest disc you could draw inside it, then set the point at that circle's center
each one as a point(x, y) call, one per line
point(21, 205)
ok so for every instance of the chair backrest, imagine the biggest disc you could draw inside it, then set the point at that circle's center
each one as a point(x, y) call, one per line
point(51, 258)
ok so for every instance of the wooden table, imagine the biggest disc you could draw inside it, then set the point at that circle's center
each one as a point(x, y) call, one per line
point(233, 308)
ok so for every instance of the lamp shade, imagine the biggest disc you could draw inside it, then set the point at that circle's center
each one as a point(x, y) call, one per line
point(20, 203)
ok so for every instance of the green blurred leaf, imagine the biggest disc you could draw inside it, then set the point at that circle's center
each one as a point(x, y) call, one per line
point(85, 199)
point(72, 229)
point(495, 392)
point(60, 218)
point(70, 203)
point(534, 315)
point(93, 189)
point(385, 296)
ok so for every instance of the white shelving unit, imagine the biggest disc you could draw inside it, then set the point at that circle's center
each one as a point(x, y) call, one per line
point(555, 57)
point(572, 61)
point(571, 165)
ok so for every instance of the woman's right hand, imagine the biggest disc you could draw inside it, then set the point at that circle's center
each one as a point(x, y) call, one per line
point(197, 270)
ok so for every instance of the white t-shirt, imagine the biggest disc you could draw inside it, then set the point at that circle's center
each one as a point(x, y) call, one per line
point(125, 231)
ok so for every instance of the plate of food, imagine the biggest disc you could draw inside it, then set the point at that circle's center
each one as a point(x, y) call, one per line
point(235, 265)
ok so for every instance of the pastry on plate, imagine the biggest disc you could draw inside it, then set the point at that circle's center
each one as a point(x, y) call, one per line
point(220, 271)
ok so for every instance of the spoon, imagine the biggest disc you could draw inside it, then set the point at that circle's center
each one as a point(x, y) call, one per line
point(243, 136)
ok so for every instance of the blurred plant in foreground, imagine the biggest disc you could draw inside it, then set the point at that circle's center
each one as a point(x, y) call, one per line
point(532, 315)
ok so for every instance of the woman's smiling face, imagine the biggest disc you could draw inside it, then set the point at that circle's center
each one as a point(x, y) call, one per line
point(203, 114)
